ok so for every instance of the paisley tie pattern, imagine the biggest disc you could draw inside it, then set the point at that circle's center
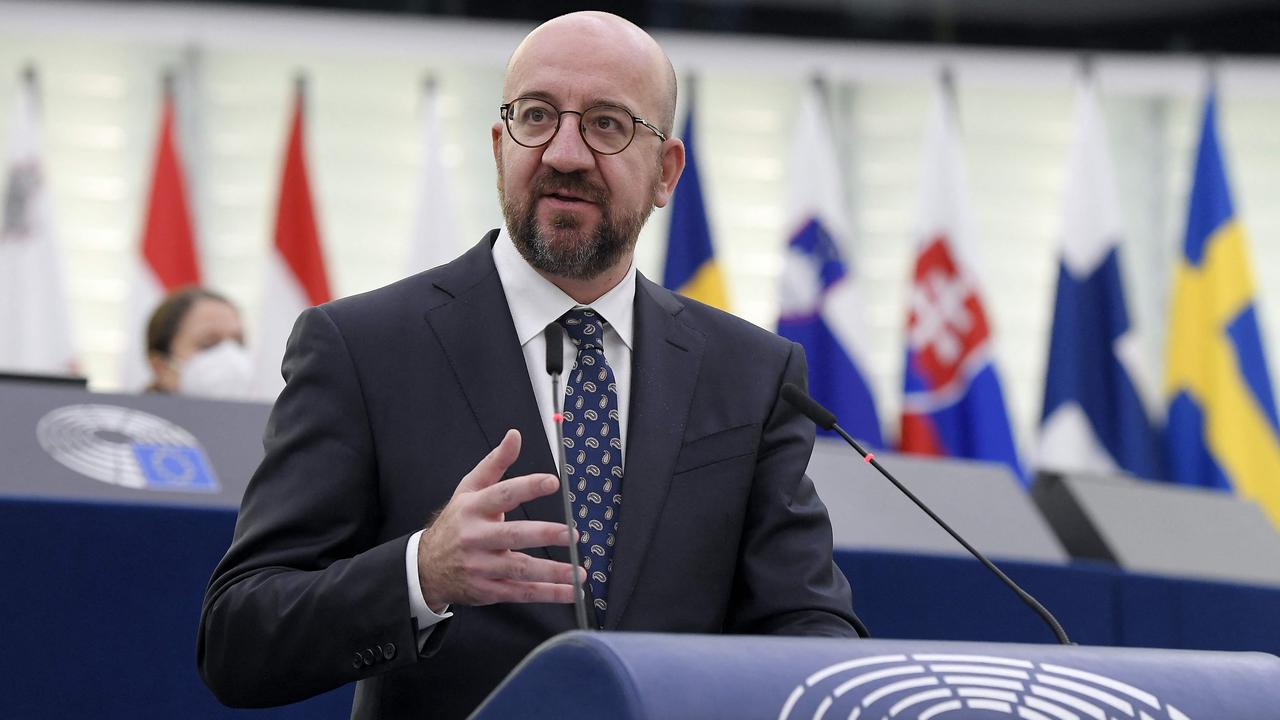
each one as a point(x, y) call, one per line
point(593, 451)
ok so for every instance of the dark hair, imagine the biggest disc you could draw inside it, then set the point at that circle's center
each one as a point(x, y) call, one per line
point(165, 320)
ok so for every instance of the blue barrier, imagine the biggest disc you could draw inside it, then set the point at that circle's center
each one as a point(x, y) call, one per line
point(102, 600)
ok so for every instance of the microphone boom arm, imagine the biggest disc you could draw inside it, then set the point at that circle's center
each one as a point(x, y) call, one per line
point(824, 419)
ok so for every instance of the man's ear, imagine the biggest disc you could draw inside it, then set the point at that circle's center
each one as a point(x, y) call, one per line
point(672, 168)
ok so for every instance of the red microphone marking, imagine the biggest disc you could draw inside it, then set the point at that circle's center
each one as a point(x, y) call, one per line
point(558, 417)
point(869, 457)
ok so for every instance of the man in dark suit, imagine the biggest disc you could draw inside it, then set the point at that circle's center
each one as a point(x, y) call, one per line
point(426, 402)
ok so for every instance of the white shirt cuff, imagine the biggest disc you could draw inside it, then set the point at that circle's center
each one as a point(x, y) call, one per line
point(427, 619)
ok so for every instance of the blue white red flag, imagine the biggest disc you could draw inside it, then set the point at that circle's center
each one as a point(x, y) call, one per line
point(819, 298)
point(952, 403)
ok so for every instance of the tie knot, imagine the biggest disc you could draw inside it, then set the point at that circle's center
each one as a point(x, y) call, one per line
point(585, 328)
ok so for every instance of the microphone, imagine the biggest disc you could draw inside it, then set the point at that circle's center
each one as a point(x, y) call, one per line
point(554, 335)
point(824, 419)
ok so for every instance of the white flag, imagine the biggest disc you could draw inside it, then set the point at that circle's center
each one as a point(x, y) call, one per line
point(436, 238)
point(35, 320)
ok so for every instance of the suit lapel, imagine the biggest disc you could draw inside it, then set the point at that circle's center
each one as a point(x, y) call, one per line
point(474, 326)
point(664, 369)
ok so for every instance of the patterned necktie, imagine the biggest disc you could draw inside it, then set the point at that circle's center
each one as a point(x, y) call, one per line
point(593, 451)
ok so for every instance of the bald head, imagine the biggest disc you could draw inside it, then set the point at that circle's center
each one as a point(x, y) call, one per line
point(637, 64)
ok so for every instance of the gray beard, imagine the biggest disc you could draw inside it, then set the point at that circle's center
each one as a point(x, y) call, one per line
point(566, 251)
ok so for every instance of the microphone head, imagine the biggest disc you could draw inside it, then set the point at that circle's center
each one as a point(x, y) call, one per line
point(554, 335)
point(801, 401)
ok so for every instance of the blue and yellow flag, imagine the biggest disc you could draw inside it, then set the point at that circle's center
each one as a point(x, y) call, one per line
point(691, 268)
point(1222, 428)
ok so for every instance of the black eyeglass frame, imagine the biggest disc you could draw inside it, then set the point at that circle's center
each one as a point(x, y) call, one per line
point(582, 130)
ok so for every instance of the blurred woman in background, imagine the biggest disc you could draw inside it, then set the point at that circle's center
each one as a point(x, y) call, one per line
point(195, 346)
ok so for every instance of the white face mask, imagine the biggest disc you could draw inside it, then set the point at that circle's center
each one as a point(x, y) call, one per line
point(224, 372)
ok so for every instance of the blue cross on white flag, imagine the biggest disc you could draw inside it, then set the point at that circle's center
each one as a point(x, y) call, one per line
point(1094, 418)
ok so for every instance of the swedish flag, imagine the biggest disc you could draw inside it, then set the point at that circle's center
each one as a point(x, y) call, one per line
point(691, 268)
point(1222, 428)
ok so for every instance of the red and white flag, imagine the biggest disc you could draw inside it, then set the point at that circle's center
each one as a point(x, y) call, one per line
point(295, 273)
point(436, 238)
point(35, 315)
point(167, 259)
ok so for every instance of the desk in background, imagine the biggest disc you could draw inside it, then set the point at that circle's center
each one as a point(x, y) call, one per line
point(103, 583)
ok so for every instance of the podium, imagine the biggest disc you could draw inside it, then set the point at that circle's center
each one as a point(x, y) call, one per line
point(637, 676)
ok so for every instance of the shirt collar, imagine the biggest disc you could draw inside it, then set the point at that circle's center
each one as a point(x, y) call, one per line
point(536, 302)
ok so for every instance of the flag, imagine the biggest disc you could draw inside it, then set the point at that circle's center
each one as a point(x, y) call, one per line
point(35, 317)
point(1094, 418)
point(819, 296)
point(436, 237)
point(952, 403)
point(1222, 429)
point(295, 277)
point(691, 268)
point(167, 259)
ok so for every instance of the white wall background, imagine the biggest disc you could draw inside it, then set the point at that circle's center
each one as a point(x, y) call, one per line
point(100, 66)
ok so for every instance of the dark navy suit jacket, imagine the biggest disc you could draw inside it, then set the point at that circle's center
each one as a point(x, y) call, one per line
point(394, 395)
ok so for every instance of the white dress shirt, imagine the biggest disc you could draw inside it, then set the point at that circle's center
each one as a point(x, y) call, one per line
point(536, 302)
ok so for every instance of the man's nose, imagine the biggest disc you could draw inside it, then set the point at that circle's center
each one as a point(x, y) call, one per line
point(568, 152)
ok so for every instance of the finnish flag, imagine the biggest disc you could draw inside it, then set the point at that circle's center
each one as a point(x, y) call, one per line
point(1094, 418)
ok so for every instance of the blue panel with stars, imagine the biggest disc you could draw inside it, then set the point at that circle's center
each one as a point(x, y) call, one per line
point(175, 467)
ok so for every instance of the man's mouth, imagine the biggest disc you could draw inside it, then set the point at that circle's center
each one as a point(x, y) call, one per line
point(567, 197)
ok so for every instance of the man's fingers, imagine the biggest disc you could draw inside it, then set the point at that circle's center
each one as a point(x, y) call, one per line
point(489, 470)
point(511, 493)
point(519, 534)
point(525, 592)
point(519, 567)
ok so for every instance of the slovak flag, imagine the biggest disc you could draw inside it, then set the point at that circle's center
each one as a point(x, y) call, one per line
point(819, 298)
point(295, 278)
point(952, 403)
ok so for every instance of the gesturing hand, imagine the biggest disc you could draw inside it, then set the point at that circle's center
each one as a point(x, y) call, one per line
point(466, 555)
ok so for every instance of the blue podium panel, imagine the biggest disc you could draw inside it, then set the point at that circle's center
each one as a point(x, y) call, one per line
point(642, 676)
point(922, 597)
point(99, 613)
point(1197, 615)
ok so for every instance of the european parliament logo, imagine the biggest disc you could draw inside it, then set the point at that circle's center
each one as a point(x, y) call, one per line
point(922, 686)
point(126, 447)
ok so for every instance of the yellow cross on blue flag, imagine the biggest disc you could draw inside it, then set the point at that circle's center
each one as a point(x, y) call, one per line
point(1222, 428)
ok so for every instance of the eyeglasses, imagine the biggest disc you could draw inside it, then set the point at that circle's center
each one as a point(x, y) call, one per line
point(606, 129)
